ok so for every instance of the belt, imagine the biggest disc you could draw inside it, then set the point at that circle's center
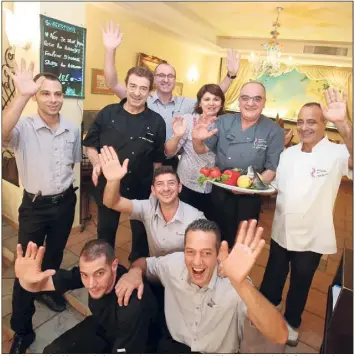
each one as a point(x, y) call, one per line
point(53, 199)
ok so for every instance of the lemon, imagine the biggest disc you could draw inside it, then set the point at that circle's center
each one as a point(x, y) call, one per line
point(244, 182)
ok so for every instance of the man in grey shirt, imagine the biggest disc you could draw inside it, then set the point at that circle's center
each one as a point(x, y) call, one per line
point(162, 100)
point(46, 147)
point(205, 312)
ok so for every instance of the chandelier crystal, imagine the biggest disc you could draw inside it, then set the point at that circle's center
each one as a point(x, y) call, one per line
point(271, 64)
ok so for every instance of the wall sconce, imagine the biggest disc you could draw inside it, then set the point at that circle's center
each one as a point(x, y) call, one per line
point(17, 31)
point(192, 74)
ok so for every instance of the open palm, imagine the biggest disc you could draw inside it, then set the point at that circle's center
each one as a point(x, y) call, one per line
point(23, 79)
point(336, 110)
point(233, 61)
point(201, 130)
point(112, 36)
point(111, 167)
point(28, 267)
point(237, 264)
point(179, 126)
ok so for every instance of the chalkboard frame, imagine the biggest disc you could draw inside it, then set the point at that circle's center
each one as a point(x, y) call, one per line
point(83, 29)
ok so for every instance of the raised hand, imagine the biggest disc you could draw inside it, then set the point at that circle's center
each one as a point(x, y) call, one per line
point(96, 172)
point(233, 61)
point(179, 126)
point(110, 165)
point(23, 79)
point(288, 137)
point(237, 264)
point(336, 111)
point(28, 267)
point(112, 36)
point(201, 130)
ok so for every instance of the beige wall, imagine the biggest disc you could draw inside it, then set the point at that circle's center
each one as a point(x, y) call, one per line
point(138, 38)
point(12, 195)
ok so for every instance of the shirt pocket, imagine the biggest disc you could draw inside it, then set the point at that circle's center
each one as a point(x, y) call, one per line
point(68, 149)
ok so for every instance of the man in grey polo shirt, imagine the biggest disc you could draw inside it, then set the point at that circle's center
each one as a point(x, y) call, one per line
point(241, 140)
point(46, 147)
point(162, 100)
point(205, 312)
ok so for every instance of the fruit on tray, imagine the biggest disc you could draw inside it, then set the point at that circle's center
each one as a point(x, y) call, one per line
point(244, 182)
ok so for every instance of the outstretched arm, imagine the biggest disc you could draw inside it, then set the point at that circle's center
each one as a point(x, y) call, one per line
point(26, 87)
point(112, 38)
point(233, 60)
point(28, 269)
point(336, 113)
point(236, 266)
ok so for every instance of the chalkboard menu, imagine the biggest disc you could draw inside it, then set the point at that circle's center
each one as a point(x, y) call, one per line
point(63, 54)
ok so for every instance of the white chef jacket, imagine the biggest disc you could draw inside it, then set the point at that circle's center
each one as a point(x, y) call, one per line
point(307, 185)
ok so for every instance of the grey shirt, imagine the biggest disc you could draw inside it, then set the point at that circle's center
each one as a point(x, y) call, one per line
point(44, 158)
point(177, 106)
point(260, 145)
point(209, 319)
point(164, 237)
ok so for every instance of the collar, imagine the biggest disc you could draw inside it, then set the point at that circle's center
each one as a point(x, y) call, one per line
point(39, 123)
point(319, 146)
point(155, 97)
point(179, 215)
point(123, 101)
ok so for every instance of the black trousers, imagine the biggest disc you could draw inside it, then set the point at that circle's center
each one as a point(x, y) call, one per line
point(229, 209)
point(107, 225)
point(303, 267)
point(83, 338)
point(41, 221)
point(198, 200)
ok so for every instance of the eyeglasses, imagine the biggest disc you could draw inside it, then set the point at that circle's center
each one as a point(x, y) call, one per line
point(163, 76)
point(246, 98)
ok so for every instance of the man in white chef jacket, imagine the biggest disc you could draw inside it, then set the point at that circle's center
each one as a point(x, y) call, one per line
point(308, 179)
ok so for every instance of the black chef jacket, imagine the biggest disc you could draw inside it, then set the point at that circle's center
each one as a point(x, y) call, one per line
point(139, 137)
point(123, 327)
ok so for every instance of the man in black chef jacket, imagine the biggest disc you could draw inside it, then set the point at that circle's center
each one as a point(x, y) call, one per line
point(111, 328)
point(136, 133)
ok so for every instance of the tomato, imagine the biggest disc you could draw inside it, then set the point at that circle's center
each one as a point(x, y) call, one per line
point(231, 181)
point(205, 171)
point(215, 173)
point(229, 172)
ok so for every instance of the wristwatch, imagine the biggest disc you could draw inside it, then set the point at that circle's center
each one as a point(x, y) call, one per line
point(231, 76)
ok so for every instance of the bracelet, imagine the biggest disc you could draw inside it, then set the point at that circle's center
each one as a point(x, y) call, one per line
point(231, 76)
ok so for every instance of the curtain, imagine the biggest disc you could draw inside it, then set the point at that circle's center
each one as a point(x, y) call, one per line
point(339, 78)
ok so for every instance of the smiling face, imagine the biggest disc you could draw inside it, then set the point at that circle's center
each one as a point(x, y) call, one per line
point(252, 101)
point(311, 125)
point(49, 98)
point(97, 275)
point(210, 104)
point(137, 91)
point(165, 78)
point(200, 256)
point(166, 188)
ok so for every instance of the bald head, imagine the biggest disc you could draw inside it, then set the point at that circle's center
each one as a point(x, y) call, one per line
point(162, 66)
point(253, 83)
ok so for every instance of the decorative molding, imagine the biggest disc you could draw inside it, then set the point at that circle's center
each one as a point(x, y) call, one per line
point(8, 89)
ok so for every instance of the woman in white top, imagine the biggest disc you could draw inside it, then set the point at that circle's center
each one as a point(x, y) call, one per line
point(210, 102)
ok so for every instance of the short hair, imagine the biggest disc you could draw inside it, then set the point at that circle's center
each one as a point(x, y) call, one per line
point(206, 226)
point(143, 73)
point(165, 170)
point(213, 89)
point(166, 63)
point(47, 75)
point(313, 104)
point(95, 249)
point(254, 82)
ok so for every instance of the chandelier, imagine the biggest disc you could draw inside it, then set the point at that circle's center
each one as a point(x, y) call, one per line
point(271, 64)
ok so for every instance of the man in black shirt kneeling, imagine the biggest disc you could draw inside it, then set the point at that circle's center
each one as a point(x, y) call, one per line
point(111, 328)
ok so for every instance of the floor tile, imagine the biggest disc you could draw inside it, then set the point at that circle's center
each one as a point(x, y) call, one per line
point(316, 302)
point(77, 248)
point(123, 235)
point(7, 232)
point(332, 267)
point(52, 329)
point(127, 246)
point(78, 237)
point(301, 348)
point(69, 258)
point(6, 305)
point(11, 243)
point(7, 286)
point(9, 273)
point(122, 256)
point(311, 330)
point(322, 281)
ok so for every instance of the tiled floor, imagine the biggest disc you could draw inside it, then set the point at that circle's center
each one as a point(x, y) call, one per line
point(49, 325)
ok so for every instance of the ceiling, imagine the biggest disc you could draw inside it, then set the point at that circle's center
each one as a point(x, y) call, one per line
point(214, 26)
